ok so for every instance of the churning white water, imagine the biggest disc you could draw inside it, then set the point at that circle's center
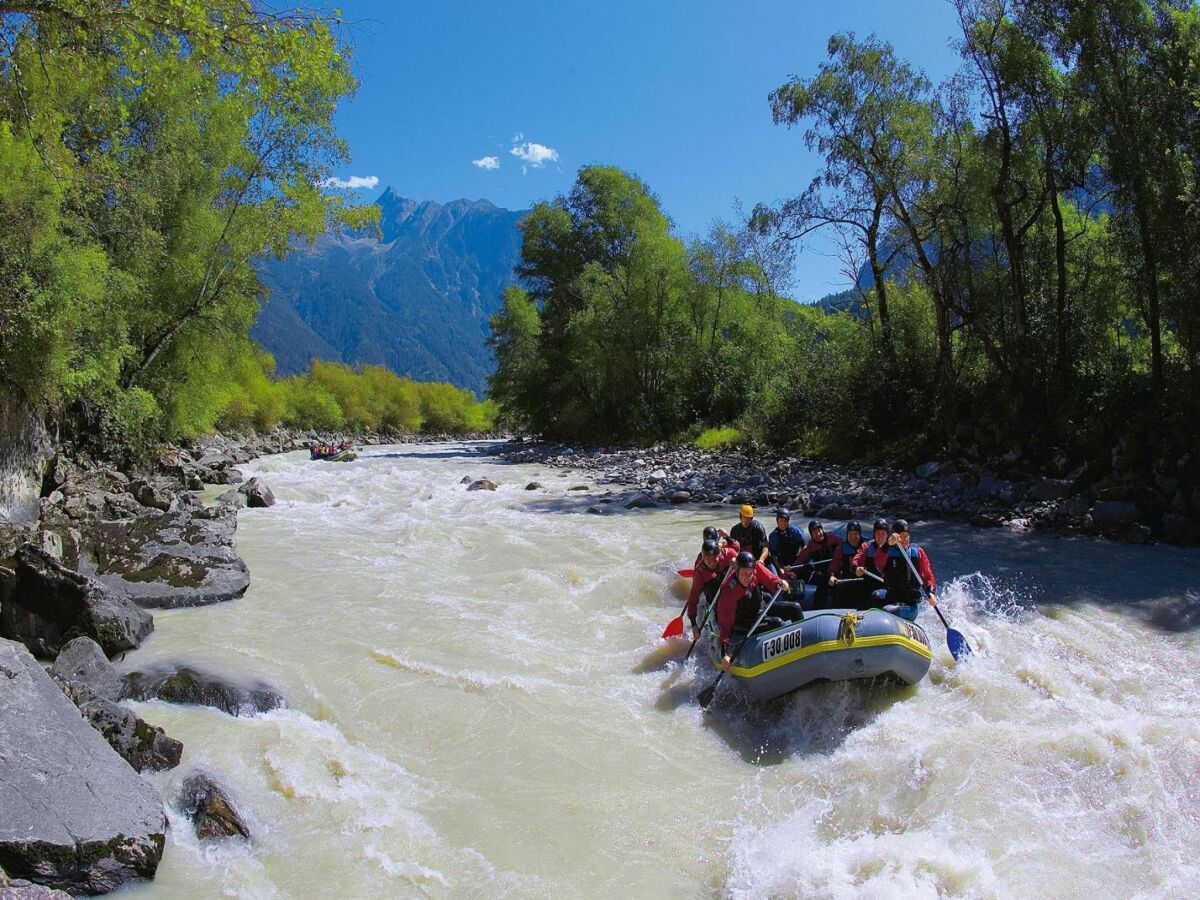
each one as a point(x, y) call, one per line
point(479, 705)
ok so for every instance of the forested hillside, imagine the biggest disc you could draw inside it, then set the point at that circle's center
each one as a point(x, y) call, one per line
point(416, 298)
point(1028, 231)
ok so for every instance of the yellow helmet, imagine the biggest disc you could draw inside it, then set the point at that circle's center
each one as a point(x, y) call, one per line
point(747, 509)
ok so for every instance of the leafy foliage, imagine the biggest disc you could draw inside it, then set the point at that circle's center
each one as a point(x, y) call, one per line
point(150, 150)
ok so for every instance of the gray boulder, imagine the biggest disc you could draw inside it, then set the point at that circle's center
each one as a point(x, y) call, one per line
point(208, 806)
point(482, 484)
point(170, 560)
point(75, 817)
point(142, 745)
point(1049, 489)
point(640, 501)
point(679, 496)
point(20, 889)
point(1113, 516)
point(83, 662)
point(834, 511)
point(149, 495)
point(1179, 529)
point(533, 486)
point(181, 684)
point(50, 604)
point(258, 495)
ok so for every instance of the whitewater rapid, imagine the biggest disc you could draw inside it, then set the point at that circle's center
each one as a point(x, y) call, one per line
point(479, 705)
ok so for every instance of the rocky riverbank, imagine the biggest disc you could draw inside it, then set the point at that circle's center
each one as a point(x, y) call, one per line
point(1111, 506)
point(87, 552)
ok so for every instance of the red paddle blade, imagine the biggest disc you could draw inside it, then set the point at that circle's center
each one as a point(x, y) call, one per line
point(674, 628)
point(686, 573)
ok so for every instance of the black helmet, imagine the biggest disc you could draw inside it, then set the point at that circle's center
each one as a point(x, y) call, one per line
point(782, 513)
point(814, 525)
point(710, 548)
point(899, 526)
point(882, 524)
point(745, 560)
point(853, 526)
point(711, 533)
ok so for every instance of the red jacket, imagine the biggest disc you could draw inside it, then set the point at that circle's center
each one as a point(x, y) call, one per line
point(924, 569)
point(733, 591)
point(702, 575)
point(813, 547)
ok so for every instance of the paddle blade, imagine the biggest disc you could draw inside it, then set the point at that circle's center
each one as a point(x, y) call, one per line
point(959, 648)
point(686, 573)
point(674, 628)
point(705, 696)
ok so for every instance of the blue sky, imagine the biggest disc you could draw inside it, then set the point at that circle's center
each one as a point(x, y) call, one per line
point(673, 91)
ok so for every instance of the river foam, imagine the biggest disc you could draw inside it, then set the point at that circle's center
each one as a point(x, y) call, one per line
point(480, 705)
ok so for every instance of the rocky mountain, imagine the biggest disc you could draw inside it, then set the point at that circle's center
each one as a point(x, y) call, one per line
point(417, 301)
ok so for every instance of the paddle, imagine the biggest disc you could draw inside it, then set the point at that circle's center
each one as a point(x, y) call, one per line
point(708, 610)
point(705, 696)
point(685, 573)
point(954, 639)
point(674, 628)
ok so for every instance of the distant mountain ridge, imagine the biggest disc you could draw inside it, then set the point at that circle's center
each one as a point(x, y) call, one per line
point(417, 301)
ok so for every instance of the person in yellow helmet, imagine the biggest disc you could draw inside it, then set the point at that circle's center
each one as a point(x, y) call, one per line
point(750, 534)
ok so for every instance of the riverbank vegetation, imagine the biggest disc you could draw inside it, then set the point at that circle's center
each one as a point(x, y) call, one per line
point(1023, 244)
point(332, 396)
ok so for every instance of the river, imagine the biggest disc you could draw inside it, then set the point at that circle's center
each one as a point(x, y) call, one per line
point(479, 705)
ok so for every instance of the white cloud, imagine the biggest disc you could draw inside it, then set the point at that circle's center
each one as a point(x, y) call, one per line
point(487, 162)
point(534, 155)
point(354, 182)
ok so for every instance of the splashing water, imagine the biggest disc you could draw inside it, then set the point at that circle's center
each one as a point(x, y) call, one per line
point(479, 705)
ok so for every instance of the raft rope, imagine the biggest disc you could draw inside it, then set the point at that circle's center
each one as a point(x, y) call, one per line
point(847, 630)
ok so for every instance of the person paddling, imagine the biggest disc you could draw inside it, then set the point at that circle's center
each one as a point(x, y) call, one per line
point(853, 594)
point(711, 566)
point(820, 547)
point(864, 559)
point(740, 601)
point(901, 593)
point(784, 542)
point(750, 534)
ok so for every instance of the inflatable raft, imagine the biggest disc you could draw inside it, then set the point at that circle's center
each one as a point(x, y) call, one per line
point(829, 645)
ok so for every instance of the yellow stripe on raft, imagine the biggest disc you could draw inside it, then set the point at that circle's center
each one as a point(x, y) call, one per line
point(875, 640)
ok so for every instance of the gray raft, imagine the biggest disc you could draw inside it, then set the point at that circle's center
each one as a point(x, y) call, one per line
point(829, 645)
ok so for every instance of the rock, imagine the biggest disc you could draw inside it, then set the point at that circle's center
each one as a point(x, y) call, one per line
point(595, 510)
point(679, 496)
point(50, 544)
point(76, 816)
point(928, 470)
point(209, 808)
point(1179, 529)
point(258, 495)
point(482, 484)
point(466, 479)
point(83, 662)
point(834, 511)
point(1138, 533)
point(1075, 508)
point(533, 486)
point(1049, 489)
point(232, 498)
point(1113, 516)
point(181, 684)
point(170, 560)
point(150, 496)
point(142, 745)
point(640, 501)
point(578, 487)
point(20, 889)
point(658, 475)
point(51, 604)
